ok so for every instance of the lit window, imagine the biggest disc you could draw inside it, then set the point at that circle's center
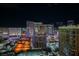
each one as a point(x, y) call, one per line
point(5, 33)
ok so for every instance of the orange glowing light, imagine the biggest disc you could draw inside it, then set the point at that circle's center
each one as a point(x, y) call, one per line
point(23, 45)
point(17, 49)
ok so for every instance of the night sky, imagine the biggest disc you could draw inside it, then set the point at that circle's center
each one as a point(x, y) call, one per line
point(15, 15)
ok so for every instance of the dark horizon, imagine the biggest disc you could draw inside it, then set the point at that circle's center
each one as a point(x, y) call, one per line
point(16, 15)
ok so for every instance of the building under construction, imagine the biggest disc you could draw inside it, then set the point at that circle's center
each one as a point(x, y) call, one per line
point(69, 40)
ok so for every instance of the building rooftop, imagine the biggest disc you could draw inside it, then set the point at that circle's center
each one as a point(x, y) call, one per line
point(69, 27)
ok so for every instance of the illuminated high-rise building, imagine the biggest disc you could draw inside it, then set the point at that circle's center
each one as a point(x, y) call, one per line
point(13, 31)
point(40, 36)
point(50, 32)
point(4, 32)
point(69, 40)
point(37, 31)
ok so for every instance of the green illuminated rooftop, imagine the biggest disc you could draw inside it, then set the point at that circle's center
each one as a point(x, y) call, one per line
point(69, 27)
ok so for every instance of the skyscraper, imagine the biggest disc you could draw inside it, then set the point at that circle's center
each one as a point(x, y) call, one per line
point(69, 40)
point(37, 31)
